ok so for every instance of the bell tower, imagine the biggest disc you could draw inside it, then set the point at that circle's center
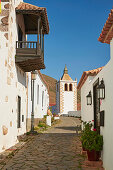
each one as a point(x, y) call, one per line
point(66, 94)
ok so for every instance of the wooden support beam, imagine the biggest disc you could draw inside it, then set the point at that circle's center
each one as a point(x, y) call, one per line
point(41, 38)
point(43, 44)
point(38, 33)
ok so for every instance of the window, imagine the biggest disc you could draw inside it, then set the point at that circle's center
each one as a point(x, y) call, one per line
point(19, 112)
point(22, 118)
point(42, 98)
point(70, 87)
point(37, 94)
point(66, 87)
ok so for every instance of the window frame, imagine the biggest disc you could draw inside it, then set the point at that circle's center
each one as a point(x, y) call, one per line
point(70, 87)
point(65, 87)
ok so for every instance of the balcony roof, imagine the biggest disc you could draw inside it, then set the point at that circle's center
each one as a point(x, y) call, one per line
point(31, 14)
point(107, 31)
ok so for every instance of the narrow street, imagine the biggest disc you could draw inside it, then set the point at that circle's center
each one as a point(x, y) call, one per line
point(59, 148)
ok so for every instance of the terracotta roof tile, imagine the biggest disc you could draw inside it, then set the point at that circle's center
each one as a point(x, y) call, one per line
point(29, 7)
point(86, 74)
point(107, 31)
point(66, 77)
point(26, 6)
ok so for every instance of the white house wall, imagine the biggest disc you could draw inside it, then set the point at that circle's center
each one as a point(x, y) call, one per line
point(86, 110)
point(107, 105)
point(39, 110)
point(12, 84)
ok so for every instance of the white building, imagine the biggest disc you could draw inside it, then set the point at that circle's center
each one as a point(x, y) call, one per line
point(16, 58)
point(41, 99)
point(66, 94)
point(84, 86)
point(101, 111)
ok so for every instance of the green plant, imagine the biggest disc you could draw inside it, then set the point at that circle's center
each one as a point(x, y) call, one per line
point(91, 140)
point(45, 116)
point(41, 124)
point(54, 114)
point(87, 128)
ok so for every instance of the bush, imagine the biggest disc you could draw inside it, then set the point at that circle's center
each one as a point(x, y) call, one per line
point(91, 140)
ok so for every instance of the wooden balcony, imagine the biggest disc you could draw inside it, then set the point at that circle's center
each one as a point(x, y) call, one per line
point(29, 55)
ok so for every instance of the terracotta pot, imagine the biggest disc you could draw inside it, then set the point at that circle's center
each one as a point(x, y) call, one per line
point(93, 155)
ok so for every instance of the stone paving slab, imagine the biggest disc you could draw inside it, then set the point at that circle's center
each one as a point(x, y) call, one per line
point(57, 149)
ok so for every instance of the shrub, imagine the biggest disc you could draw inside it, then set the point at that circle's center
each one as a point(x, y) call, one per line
point(91, 140)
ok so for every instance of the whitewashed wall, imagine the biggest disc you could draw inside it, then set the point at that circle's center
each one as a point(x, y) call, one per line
point(86, 110)
point(39, 110)
point(107, 105)
point(12, 84)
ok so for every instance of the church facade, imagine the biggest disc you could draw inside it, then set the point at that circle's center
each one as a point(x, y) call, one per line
point(66, 94)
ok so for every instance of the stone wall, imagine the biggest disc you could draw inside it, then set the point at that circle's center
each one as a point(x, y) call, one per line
point(12, 78)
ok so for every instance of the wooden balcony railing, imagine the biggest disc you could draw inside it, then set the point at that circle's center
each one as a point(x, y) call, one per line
point(29, 48)
point(26, 44)
point(29, 55)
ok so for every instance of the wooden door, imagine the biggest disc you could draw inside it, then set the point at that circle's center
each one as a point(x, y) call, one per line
point(96, 106)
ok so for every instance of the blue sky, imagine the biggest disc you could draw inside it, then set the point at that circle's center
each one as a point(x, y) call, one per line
point(73, 39)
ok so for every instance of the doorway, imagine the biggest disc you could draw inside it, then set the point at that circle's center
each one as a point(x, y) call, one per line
point(19, 112)
point(96, 106)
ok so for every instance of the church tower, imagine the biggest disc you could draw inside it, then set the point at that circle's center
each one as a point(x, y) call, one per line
point(66, 94)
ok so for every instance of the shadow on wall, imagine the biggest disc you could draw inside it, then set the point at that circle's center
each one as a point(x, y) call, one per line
point(21, 76)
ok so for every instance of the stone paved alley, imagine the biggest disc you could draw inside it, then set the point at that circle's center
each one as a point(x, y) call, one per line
point(59, 148)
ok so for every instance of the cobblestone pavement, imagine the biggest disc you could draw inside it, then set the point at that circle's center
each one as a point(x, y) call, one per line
point(57, 149)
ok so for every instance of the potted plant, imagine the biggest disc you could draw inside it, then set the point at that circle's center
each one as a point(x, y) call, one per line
point(93, 143)
point(85, 132)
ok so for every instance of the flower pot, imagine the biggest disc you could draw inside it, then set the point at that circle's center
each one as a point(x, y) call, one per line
point(93, 155)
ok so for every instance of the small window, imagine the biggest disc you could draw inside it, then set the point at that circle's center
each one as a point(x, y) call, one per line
point(22, 118)
point(19, 112)
point(70, 87)
point(66, 87)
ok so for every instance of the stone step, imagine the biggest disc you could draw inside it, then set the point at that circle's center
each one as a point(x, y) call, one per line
point(91, 168)
point(93, 163)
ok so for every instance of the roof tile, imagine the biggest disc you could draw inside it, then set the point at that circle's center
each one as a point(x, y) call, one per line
point(26, 6)
point(86, 74)
point(107, 31)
